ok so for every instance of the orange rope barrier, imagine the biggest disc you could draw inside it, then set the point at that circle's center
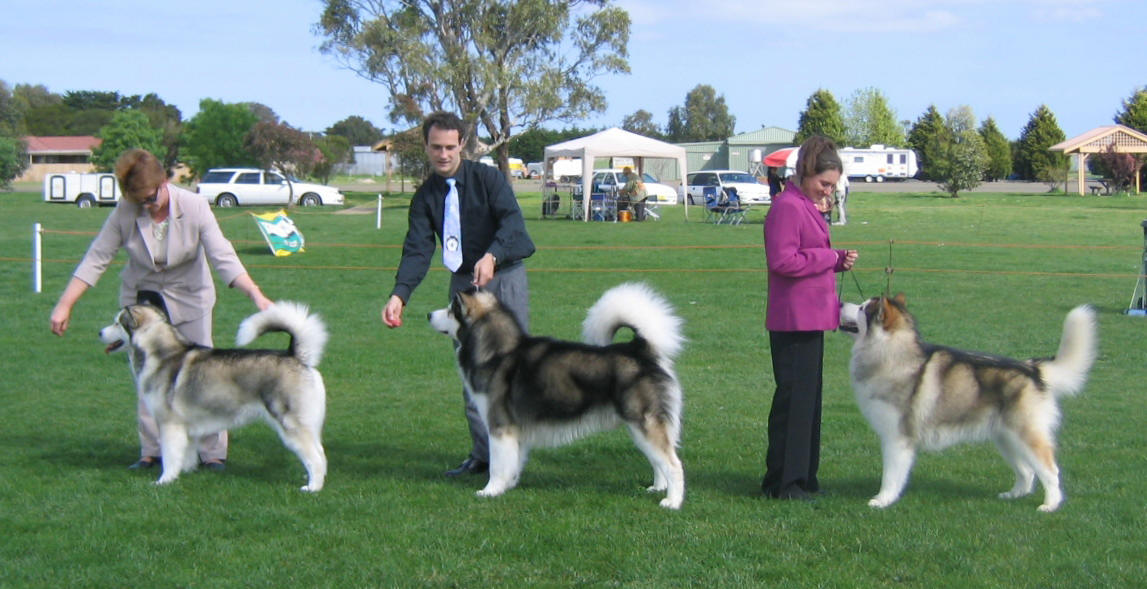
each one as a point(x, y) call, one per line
point(535, 269)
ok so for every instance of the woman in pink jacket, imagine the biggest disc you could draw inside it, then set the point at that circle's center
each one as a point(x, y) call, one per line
point(170, 236)
point(802, 305)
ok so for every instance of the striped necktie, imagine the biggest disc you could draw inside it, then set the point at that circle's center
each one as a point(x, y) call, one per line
point(451, 230)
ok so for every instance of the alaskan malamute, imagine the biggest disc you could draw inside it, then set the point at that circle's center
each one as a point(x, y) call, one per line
point(536, 391)
point(919, 395)
point(193, 390)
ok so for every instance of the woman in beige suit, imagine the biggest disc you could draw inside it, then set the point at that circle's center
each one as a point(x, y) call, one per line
point(170, 236)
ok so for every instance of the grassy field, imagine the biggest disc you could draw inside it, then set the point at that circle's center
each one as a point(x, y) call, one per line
point(995, 272)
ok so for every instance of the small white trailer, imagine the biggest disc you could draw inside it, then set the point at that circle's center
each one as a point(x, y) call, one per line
point(85, 190)
point(878, 163)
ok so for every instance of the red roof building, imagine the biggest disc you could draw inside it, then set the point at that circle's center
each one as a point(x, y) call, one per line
point(52, 155)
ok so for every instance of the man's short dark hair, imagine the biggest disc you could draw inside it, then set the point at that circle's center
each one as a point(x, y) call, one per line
point(446, 121)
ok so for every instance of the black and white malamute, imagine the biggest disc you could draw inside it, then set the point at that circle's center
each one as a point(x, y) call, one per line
point(920, 395)
point(193, 391)
point(537, 391)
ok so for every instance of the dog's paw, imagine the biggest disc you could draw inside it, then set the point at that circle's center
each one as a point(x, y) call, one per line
point(668, 503)
point(656, 488)
point(881, 502)
point(1049, 507)
point(1014, 494)
point(164, 481)
point(490, 492)
point(310, 488)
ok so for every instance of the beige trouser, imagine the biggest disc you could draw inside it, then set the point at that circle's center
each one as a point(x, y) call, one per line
point(211, 446)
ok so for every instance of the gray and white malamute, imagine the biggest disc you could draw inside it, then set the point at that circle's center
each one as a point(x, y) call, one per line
point(537, 391)
point(920, 395)
point(193, 390)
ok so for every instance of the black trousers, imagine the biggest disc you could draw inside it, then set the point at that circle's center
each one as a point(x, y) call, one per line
point(794, 419)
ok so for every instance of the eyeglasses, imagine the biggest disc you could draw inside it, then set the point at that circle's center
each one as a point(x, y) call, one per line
point(151, 199)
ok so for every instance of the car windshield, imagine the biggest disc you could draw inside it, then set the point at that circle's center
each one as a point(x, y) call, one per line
point(738, 177)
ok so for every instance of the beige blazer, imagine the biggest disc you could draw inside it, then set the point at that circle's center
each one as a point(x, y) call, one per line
point(193, 240)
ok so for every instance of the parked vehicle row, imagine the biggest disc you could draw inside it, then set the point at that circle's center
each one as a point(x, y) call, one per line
point(222, 187)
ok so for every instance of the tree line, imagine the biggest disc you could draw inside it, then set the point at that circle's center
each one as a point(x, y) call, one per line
point(220, 134)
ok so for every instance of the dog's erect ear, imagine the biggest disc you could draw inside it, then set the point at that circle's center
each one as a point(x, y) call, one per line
point(899, 298)
point(461, 304)
point(890, 311)
point(127, 320)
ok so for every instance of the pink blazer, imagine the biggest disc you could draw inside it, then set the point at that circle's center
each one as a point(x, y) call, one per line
point(193, 240)
point(802, 263)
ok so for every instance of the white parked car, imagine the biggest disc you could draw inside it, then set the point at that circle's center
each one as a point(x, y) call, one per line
point(229, 187)
point(748, 188)
point(655, 192)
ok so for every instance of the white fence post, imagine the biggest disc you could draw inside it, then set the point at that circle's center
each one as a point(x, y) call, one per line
point(37, 261)
point(378, 215)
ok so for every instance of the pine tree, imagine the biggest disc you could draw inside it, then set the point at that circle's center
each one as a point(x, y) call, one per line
point(1134, 113)
point(998, 149)
point(1033, 159)
point(922, 136)
point(821, 117)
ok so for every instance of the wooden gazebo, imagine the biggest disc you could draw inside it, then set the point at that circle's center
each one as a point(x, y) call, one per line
point(1097, 140)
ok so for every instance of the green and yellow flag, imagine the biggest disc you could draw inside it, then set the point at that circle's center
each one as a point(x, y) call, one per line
point(280, 232)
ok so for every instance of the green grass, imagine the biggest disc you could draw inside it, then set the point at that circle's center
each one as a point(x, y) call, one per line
point(995, 272)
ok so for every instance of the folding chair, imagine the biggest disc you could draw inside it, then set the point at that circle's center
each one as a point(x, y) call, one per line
point(577, 206)
point(714, 212)
point(602, 207)
point(645, 210)
point(734, 212)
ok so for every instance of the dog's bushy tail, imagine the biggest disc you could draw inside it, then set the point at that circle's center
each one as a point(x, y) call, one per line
point(308, 332)
point(1067, 373)
point(643, 310)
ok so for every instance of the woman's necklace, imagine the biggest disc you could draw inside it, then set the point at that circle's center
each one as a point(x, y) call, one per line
point(159, 230)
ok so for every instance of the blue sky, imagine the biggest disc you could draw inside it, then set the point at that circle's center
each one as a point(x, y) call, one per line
point(1003, 58)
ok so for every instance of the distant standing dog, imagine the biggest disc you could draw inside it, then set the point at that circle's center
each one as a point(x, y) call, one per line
point(536, 391)
point(193, 390)
point(919, 395)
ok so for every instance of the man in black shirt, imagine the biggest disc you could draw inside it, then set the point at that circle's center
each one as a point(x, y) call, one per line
point(493, 244)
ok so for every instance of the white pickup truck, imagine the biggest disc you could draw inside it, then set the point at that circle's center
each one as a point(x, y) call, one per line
point(85, 190)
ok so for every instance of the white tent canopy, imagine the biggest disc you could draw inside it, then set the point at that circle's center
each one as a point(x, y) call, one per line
point(611, 143)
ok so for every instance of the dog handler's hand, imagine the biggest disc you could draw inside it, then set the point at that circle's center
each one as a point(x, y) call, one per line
point(484, 270)
point(850, 257)
point(60, 318)
point(392, 312)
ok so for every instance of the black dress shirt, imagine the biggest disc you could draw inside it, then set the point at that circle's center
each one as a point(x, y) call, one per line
point(491, 222)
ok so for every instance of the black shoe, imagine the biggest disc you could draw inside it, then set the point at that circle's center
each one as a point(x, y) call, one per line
point(145, 462)
point(797, 495)
point(469, 466)
point(215, 465)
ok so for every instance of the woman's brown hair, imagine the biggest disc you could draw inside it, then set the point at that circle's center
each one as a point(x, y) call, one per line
point(139, 173)
point(817, 154)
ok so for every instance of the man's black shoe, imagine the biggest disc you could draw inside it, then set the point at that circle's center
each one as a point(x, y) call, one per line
point(469, 466)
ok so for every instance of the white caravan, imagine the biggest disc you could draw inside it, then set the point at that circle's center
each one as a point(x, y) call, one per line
point(878, 163)
point(86, 190)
